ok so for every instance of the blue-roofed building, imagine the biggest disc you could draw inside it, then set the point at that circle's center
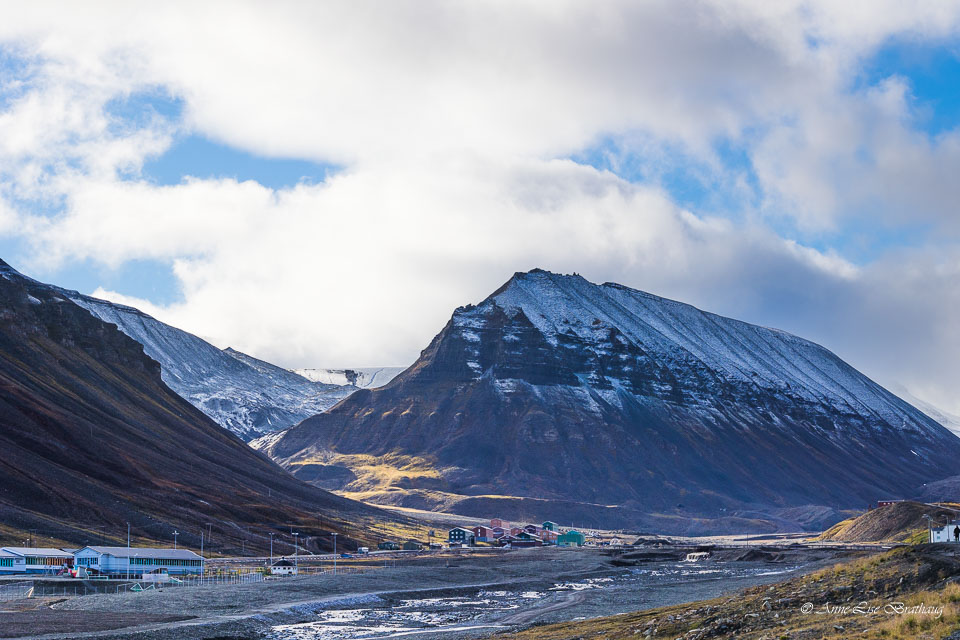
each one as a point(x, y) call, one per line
point(33, 560)
point(138, 560)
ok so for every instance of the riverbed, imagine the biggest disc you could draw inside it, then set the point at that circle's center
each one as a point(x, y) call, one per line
point(470, 613)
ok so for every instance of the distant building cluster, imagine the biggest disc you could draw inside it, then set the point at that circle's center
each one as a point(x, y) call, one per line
point(94, 561)
point(500, 532)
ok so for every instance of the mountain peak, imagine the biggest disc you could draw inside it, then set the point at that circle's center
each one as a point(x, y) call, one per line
point(580, 394)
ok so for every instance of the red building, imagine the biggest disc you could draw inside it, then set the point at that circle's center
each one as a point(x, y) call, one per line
point(483, 534)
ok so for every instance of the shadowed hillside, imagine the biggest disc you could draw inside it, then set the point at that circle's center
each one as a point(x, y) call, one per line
point(91, 438)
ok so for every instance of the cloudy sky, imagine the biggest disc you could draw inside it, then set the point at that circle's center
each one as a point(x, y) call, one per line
point(321, 184)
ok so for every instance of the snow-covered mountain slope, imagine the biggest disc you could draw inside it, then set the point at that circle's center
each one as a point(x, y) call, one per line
point(361, 377)
point(578, 394)
point(249, 397)
point(947, 419)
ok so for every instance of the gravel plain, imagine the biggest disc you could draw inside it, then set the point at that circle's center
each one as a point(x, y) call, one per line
point(252, 611)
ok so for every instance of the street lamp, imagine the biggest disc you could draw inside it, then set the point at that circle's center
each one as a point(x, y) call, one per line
point(929, 520)
point(175, 534)
point(334, 553)
point(271, 549)
point(296, 548)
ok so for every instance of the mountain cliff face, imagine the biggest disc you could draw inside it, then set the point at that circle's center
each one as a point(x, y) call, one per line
point(562, 398)
point(248, 396)
point(91, 438)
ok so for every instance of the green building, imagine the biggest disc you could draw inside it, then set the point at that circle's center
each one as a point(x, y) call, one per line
point(549, 525)
point(571, 538)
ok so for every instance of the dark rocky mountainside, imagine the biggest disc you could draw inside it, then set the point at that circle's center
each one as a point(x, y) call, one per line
point(559, 398)
point(91, 438)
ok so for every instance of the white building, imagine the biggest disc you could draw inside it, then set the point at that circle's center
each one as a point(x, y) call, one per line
point(283, 568)
point(33, 560)
point(138, 560)
point(947, 533)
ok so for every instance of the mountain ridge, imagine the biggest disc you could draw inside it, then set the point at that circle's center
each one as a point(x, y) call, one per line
point(554, 388)
point(92, 438)
point(245, 395)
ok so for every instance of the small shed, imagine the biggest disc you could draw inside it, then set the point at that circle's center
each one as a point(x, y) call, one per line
point(283, 567)
point(949, 532)
point(412, 545)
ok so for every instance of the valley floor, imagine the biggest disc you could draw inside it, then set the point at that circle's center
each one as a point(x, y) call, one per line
point(569, 584)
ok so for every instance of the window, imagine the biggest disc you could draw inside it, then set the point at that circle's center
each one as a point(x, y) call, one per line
point(6, 562)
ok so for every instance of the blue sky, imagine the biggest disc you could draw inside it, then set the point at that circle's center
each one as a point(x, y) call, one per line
point(276, 181)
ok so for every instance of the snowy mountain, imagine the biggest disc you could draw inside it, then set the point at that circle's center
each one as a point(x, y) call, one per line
point(949, 420)
point(556, 397)
point(249, 397)
point(362, 378)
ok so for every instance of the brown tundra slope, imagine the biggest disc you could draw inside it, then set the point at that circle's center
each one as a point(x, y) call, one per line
point(91, 438)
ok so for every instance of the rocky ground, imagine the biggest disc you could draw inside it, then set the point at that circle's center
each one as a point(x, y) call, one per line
point(251, 610)
point(909, 593)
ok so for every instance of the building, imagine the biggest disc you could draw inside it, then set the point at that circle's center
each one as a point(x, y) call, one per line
point(532, 529)
point(283, 567)
point(515, 530)
point(949, 532)
point(525, 539)
point(572, 538)
point(886, 503)
point(550, 525)
point(506, 540)
point(34, 560)
point(388, 545)
point(7, 562)
point(483, 534)
point(412, 545)
point(498, 532)
point(497, 522)
point(138, 560)
point(549, 537)
point(459, 535)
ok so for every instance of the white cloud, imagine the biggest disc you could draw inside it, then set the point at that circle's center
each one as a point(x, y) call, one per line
point(448, 119)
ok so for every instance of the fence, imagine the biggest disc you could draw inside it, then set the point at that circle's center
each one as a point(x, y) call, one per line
point(50, 588)
point(15, 590)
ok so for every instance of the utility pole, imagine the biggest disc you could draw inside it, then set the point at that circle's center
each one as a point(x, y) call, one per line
point(128, 535)
point(201, 555)
point(296, 548)
point(175, 534)
point(271, 548)
point(334, 553)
